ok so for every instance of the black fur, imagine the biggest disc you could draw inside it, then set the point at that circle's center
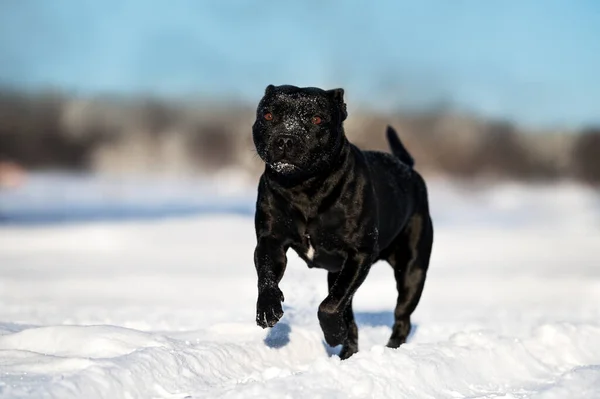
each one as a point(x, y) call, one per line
point(352, 207)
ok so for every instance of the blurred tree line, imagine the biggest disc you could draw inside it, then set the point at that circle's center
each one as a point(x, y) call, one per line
point(114, 135)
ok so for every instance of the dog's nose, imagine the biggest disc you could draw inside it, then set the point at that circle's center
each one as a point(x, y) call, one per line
point(285, 143)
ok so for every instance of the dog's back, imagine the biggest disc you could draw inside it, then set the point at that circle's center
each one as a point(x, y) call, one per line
point(399, 189)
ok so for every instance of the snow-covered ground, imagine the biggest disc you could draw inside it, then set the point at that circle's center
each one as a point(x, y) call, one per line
point(164, 308)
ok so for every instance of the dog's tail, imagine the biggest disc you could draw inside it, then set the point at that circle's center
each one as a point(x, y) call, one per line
point(398, 148)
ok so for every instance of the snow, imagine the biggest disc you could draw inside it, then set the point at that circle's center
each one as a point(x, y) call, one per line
point(164, 307)
point(59, 198)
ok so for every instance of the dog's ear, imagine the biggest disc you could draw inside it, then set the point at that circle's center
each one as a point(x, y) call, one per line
point(269, 89)
point(337, 95)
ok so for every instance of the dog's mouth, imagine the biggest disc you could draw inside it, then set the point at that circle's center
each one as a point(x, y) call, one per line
point(284, 167)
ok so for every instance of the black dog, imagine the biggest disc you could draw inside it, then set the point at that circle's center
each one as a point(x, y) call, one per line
point(341, 209)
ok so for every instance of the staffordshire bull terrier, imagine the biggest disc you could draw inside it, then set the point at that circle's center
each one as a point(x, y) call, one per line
point(341, 209)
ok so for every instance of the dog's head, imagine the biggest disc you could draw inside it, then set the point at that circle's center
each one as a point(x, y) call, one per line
point(298, 131)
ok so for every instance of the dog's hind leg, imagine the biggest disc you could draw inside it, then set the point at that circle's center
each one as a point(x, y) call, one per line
point(350, 346)
point(409, 257)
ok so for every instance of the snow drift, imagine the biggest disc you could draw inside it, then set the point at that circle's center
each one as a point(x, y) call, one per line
point(164, 308)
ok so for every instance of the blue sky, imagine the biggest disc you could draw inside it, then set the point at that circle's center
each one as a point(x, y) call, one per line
point(535, 61)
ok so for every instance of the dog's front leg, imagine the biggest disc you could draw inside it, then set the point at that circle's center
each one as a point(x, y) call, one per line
point(270, 262)
point(331, 310)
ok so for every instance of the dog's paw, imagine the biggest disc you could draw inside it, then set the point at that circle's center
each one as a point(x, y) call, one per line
point(347, 351)
point(395, 342)
point(268, 307)
point(334, 327)
point(335, 334)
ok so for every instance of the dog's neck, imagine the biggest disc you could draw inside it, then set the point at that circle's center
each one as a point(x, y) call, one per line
point(310, 194)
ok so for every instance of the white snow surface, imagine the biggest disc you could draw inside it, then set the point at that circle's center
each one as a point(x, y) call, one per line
point(165, 308)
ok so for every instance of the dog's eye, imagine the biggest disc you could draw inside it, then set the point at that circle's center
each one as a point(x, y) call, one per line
point(316, 120)
point(268, 116)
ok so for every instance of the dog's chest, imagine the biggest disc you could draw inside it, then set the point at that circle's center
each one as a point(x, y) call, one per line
point(318, 256)
point(305, 248)
point(310, 252)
